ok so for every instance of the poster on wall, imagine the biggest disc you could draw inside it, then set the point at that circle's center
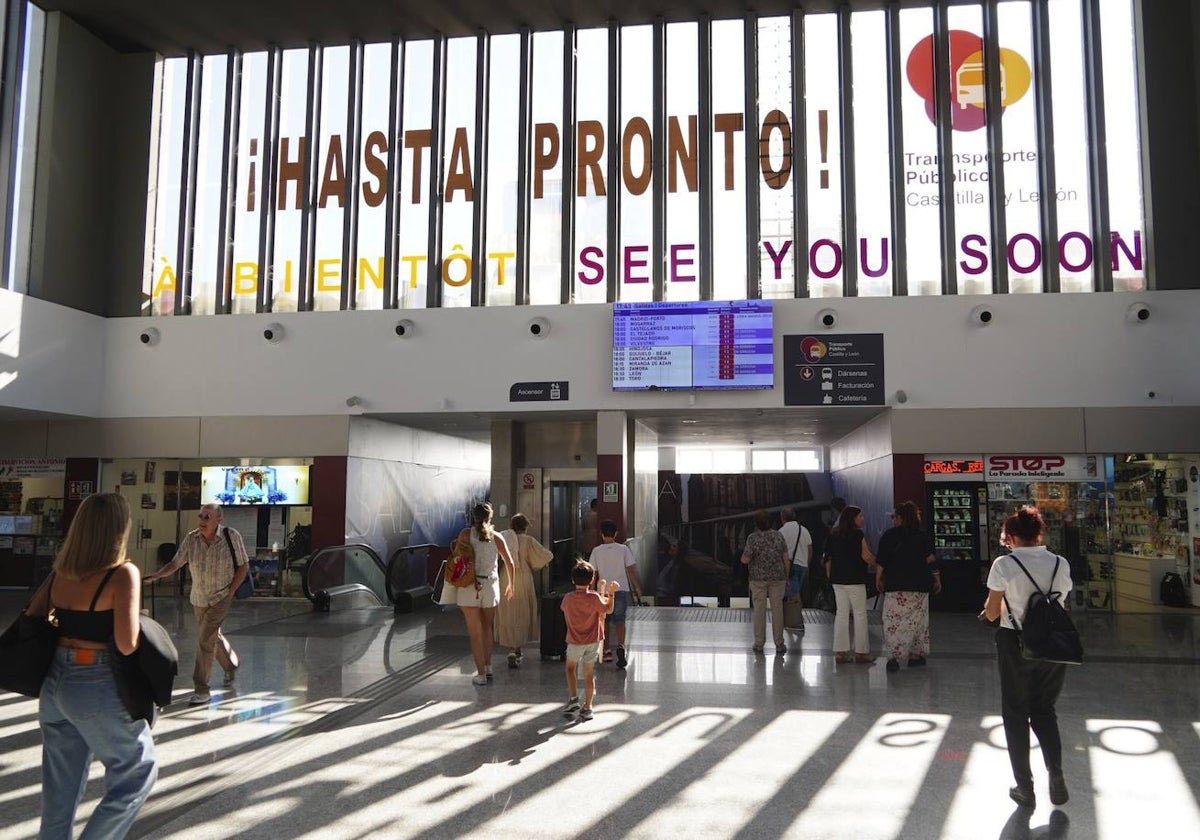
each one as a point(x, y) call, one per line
point(128, 477)
point(190, 490)
point(149, 502)
point(150, 469)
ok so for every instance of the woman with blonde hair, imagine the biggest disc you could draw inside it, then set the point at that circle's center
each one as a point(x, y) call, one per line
point(478, 603)
point(92, 596)
point(517, 618)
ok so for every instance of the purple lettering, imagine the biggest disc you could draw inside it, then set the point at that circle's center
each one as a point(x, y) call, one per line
point(590, 257)
point(777, 257)
point(677, 261)
point(632, 263)
point(1012, 253)
point(1135, 258)
point(967, 245)
point(862, 258)
point(1087, 250)
point(837, 258)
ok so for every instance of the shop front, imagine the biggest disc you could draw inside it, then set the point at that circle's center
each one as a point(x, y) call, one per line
point(32, 495)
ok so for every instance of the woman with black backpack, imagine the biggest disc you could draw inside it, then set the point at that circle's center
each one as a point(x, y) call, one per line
point(1029, 688)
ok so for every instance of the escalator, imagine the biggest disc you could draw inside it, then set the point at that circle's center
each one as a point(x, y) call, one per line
point(355, 576)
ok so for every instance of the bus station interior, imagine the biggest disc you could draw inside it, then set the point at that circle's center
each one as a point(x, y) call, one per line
point(348, 404)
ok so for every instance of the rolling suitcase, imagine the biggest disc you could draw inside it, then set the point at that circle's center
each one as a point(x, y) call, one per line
point(553, 635)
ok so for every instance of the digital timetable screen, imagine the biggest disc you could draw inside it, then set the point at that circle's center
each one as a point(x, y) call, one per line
point(693, 346)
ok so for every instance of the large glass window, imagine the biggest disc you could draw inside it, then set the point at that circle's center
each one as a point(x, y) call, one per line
point(376, 156)
point(729, 150)
point(681, 262)
point(1123, 145)
point(918, 111)
point(414, 174)
point(824, 144)
point(250, 191)
point(545, 230)
point(206, 244)
point(637, 202)
point(872, 153)
point(591, 166)
point(165, 185)
point(504, 113)
point(288, 193)
point(776, 189)
point(25, 153)
point(331, 180)
point(458, 172)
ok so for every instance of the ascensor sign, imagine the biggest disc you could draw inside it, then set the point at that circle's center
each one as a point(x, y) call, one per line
point(445, 172)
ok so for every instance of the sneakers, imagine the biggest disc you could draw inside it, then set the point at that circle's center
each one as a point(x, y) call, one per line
point(757, 648)
point(200, 698)
point(780, 650)
point(585, 713)
point(571, 708)
point(1023, 796)
point(513, 661)
point(488, 675)
point(622, 660)
point(893, 665)
point(479, 679)
point(1058, 789)
point(229, 675)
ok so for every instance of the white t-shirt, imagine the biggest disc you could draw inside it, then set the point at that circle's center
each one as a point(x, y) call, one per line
point(1008, 578)
point(611, 560)
point(791, 531)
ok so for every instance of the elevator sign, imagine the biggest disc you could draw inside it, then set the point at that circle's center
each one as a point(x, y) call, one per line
point(539, 391)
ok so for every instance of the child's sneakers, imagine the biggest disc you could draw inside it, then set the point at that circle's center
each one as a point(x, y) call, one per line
point(585, 713)
point(571, 708)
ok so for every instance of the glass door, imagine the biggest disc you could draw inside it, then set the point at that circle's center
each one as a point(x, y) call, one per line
point(567, 504)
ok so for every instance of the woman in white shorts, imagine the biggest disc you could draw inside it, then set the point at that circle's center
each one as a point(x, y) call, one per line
point(478, 602)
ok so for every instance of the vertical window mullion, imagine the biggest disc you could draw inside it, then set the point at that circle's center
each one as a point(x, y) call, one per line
point(849, 194)
point(896, 137)
point(1051, 278)
point(799, 159)
point(187, 185)
point(993, 108)
point(483, 66)
point(312, 180)
point(10, 104)
point(704, 156)
point(524, 182)
point(753, 223)
point(1093, 73)
point(437, 166)
point(945, 144)
point(227, 221)
point(569, 110)
point(613, 273)
point(353, 157)
point(266, 226)
point(392, 202)
point(658, 161)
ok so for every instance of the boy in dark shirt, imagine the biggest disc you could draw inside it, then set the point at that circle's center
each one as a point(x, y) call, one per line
point(584, 610)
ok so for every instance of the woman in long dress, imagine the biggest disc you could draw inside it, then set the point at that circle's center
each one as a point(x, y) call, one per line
point(517, 619)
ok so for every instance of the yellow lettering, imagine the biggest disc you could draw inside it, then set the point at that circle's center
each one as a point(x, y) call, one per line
point(502, 258)
point(365, 270)
point(166, 280)
point(245, 278)
point(329, 270)
point(413, 261)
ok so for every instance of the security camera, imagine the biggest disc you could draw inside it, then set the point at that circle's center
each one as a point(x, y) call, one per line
point(827, 318)
point(901, 397)
point(982, 315)
point(405, 328)
point(149, 336)
point(273, 333)
point(539, 328)
point(1137, 313)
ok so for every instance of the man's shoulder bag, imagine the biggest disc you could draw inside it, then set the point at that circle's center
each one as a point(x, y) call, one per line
point(1047, 633)
point(246, 587)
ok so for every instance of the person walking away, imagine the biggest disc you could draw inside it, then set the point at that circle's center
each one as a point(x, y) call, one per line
point(585, 609)
point(517, 617)
point(216, 556)
point(846, 552)
point(93, 595)
point(799, 547)
point(478, 603)
point(767, 560)
point(1029, 688)
point(614, 561)
point(906, 574)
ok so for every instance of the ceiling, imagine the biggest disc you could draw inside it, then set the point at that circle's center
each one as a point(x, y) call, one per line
point(792, 427)
point(172, 27)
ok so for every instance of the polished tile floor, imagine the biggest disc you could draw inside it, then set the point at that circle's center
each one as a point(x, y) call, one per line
point(359, 723)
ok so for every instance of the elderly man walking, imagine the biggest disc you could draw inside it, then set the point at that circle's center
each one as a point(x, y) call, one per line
point(217, 558)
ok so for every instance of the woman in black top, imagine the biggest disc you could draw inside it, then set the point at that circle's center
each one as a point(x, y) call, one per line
point(906, 574)
point(847, 558)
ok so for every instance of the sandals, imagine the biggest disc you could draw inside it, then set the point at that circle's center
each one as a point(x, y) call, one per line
point(863, 658)
point(513, 660)
point(844, 658)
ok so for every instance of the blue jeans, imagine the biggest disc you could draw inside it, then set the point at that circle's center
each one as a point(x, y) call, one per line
point(795, 581)
point(81, 716)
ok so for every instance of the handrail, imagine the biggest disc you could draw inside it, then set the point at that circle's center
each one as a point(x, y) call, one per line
point(366, 549)
point(391, 565)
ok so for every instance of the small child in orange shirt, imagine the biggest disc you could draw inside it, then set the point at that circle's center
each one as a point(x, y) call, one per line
point(584, 610)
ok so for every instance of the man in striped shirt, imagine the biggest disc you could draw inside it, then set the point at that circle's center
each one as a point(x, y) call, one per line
point(216, 556)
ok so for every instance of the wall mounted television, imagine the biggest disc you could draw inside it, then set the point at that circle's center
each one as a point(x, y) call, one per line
point(260, 485)
point(694, 346)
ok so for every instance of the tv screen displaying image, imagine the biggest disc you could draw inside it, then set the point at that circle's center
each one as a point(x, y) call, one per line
point(694, 346)
point(259, 485)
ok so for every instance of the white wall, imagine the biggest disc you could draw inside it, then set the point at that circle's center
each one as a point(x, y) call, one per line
point(1045, 351)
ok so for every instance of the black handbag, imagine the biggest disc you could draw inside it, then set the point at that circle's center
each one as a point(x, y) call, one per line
point(26, 651)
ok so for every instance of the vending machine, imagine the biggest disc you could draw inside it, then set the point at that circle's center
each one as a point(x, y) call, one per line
point(957, 520)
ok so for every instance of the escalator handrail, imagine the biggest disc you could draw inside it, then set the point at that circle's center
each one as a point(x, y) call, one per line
point(391, 564)
point(331, 549)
